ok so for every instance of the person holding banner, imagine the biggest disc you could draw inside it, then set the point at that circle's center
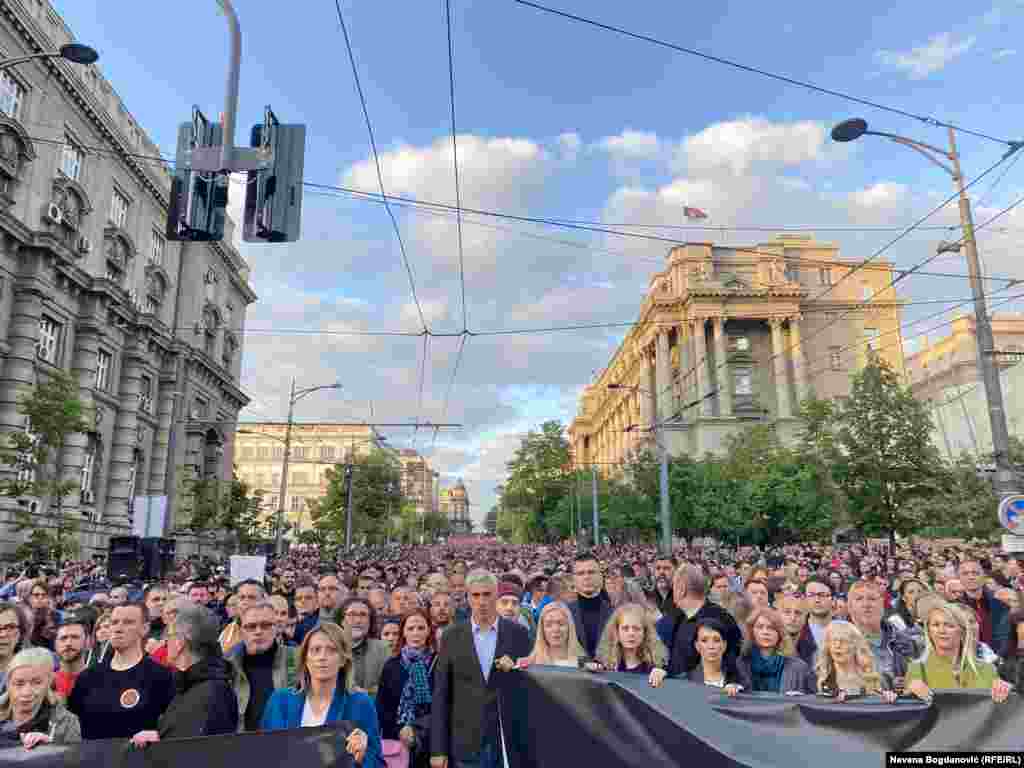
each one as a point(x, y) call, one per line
point(717, 667)
point(406, 686)
point(769, 658)
point(30, 711)
point(324, 696)
point(556, 643)
point(845, 665)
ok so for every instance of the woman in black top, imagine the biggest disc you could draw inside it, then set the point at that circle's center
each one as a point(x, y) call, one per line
point(406, 687)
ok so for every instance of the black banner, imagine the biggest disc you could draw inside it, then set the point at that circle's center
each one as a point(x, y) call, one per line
point(619, 720)
point(300, 747)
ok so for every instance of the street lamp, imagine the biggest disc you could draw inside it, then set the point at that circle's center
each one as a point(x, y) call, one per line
point(949, 161)
point(76, 53)
point(659, 438)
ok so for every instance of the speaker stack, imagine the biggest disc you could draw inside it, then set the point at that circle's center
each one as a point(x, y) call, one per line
point(157, 558)
point(124, 560)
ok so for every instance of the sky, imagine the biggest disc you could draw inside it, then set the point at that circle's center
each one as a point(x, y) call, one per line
point(561, 120)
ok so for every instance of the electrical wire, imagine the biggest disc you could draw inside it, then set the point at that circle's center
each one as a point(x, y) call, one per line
point(451, 386)
point(376, 160)
point(757, 71)
point(423, 378)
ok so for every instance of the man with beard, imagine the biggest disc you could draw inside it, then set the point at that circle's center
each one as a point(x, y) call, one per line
point(73, 643)
point(154, 597)
point(661, 595)
point(440, 614)
point(368, 655)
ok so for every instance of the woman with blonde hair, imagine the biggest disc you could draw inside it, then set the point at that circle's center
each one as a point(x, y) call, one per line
point(324, 695)
point(30, 712)
point(845, 665)
point(556, 644)
point(630, 643)
point(950, 657)
point(768, 658)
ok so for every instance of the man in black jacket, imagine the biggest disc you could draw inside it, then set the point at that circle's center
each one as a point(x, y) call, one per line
point(205, 704)
point(592, 607)
point(661, 595)
point(677, 631)
point(475, 661)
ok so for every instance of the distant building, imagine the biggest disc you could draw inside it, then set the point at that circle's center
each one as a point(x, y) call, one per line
point(418, 481)
point(730, 336)
point(455, 508)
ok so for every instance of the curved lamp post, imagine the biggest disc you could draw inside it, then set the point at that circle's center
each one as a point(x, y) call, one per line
point(76, 53)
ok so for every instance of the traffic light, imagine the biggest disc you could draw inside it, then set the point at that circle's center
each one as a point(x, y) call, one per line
point(199, 199)
point(273, 200)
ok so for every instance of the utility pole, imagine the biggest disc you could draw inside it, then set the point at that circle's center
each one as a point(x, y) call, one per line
point(348, 513)
point(279, 538)
point(593, 486)
point(666, 512)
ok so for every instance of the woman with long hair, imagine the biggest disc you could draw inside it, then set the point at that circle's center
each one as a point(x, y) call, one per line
point(768, 658)
point(30, 712)
point(845, 665)
point(324, 695)
point(406, 687)
point(630, 643)
point(950, 659)
point(902, 615)
point(556, 644)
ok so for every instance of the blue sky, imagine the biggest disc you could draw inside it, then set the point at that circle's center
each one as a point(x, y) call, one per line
point(559, 120)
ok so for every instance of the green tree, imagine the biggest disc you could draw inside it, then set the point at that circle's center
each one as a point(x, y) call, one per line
point(964, 504)
point(884, 459)
point(230, 510)
point(537, 480)
point(54, 413)
point(376, 494)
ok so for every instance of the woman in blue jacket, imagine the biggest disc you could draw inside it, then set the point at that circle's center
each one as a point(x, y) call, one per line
point(323, 696)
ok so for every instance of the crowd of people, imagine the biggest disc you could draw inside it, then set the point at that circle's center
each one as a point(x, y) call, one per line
point(413, 644)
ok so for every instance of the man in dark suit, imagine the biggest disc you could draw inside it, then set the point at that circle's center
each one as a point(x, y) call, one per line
point(592, 607)
point(464, 729)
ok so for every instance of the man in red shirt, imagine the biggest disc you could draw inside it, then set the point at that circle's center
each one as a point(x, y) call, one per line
point(72, 645)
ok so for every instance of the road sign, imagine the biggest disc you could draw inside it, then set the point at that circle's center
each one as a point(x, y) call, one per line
point(1011, 514)
point(1012, 544)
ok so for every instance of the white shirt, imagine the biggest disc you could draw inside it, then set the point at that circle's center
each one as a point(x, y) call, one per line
point(309, 719)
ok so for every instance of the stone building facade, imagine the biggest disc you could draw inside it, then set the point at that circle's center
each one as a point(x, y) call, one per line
point(152, 330)
point(419, 481)
point(454, 505)
point(730, 336)
point(315, 448)
point(951, 362)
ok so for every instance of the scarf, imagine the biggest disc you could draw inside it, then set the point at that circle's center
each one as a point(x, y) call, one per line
point(416, 693)
point(766, 671)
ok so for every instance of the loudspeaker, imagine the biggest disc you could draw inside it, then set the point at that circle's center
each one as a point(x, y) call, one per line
point(157, 558)
point(124, 561)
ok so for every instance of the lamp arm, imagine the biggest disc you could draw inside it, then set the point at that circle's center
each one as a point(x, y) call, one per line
point(920, 147)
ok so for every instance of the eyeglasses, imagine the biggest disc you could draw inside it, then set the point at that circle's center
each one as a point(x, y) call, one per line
point(266, 626)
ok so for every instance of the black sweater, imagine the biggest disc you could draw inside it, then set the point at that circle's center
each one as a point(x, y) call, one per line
point(205, 705)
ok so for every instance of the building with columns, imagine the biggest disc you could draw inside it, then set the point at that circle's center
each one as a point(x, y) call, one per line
point(731, 336)
point(455, 508)
point(151, 330)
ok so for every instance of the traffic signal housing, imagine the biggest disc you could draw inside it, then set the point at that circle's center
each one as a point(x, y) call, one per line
point(273, 200)
point(199, 199)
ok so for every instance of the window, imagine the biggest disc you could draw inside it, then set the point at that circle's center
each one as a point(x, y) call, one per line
point(743, 381)
point(119, 204)
point(157, 246)
point(27, 473)
point(201, 409)
point(299, 452)
point(297, 502)
point(871, 338)
point(146, 394)
point(210, 342)
point(263, 452)
point(835, 358)
point(152, 305)
point(326, 451)
point(49, 339)
point(273, 502)
point(132, 477)
point(792, 272)
point(825, 276)
point(12, 96)
point(739, 344)
point(103, 360)
point(71, 159)
point(88, 467)
point(278, 451)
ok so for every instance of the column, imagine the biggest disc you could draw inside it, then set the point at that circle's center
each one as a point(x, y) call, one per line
point(648, 382)
point(83, 369)
point(19, 375)
point(162, 440)
point(780, 365)
point(686, 376)
point(700, 354)
point(663, 377)
point(799, 362)
point(125, 438)
point(723, 374)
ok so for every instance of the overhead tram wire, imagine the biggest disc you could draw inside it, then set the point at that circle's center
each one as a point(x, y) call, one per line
point(455, 161)
point(427, 209)
point(758, 71)
point(376, 161)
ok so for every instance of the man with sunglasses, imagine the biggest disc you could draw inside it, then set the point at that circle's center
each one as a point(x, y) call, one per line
point(260, 663)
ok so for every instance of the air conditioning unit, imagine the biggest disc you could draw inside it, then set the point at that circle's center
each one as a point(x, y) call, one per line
point(54, 213)
point(84, 245)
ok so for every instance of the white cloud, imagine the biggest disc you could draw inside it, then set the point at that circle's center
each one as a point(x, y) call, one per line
point(738, 146)
point(631, 145)
point(569, 144)
point(882, 194)
point(920, 62)
point(1004, 53)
